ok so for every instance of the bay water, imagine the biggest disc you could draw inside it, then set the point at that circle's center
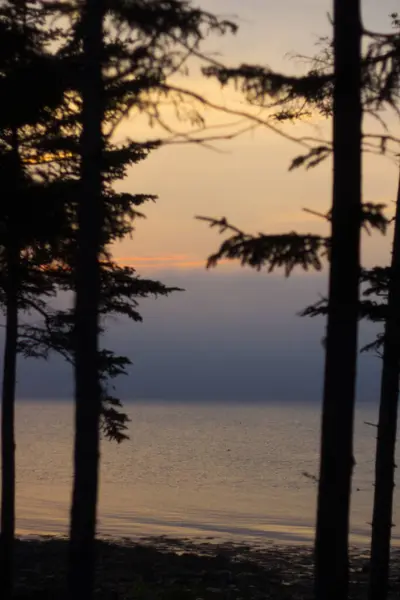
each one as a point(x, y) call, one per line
point(241, 471)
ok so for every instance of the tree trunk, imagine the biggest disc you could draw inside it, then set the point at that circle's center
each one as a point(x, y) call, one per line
point(8, 425)
point(87, 387)
point(336, 461)
point(11, 285)
point(387, 429)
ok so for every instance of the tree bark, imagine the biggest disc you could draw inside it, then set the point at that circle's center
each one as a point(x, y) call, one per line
point(8, 424)
point(387, 430)
point(87, 387)
point(336, 460)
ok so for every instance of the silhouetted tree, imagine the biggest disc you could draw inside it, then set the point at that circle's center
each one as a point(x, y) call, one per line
point(380, 86)
point(382, 283)
point(86, 314)
point(388, 408)
point(387, 431)
point(120, 64)
point(336, 460)
point(11, 255)
point(324, 88)
point(22, 60)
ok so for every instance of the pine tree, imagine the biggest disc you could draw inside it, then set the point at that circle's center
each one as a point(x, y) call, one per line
point(324, 87)
point(380, 304)
point(336, 460)
point(121, 64)
point(22, 59)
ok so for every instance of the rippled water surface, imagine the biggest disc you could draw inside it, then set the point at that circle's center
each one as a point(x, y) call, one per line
point(212, 469)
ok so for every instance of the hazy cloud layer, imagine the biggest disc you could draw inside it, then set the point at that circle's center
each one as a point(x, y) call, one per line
point(228, 336)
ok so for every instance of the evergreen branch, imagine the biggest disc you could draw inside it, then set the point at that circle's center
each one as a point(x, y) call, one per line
point(274, 251)
point(288, 250)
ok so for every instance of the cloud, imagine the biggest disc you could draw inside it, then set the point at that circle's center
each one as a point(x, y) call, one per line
point(172, 261)
point(230, 335)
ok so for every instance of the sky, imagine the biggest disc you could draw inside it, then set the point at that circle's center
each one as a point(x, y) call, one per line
point(233, 333)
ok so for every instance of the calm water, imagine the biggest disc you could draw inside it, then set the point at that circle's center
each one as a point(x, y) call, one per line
point(216, 470)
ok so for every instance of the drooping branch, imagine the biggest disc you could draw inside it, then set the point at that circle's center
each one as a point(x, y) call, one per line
point(272, 251)
point(121, 290)
point(288, 250)
point(295, 96)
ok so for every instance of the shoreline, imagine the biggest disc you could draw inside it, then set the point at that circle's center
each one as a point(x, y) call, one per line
point(168, 568)
point(274, 531)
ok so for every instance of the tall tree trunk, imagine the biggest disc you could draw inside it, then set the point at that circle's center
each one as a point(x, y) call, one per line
point(8, 425)
point(12, 282)
point(387, 429)
point(336, 461)
point(87, 387)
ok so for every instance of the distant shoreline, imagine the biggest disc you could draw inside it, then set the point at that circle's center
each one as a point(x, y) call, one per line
point(242, 401)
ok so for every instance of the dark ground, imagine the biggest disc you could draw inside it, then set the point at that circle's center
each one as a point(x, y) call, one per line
point(172, 569)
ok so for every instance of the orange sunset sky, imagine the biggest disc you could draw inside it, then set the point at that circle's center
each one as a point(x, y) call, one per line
point(233, 333)
point(245, 179)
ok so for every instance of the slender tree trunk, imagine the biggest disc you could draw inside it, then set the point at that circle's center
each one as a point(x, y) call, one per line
point(8, 425)
point(387, 429)
point(12, 282)
point(87, 387)
point(336, 462)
